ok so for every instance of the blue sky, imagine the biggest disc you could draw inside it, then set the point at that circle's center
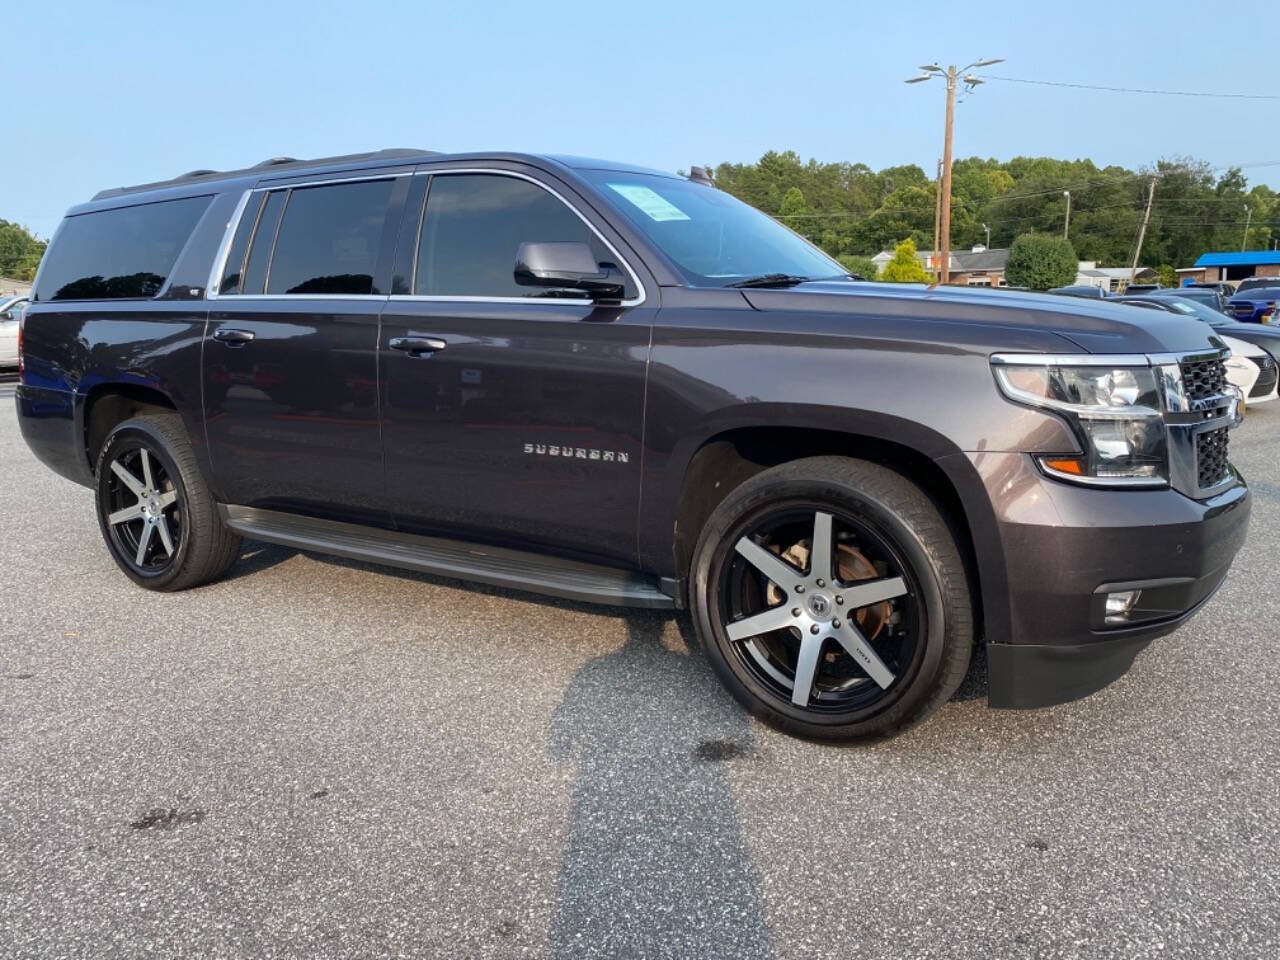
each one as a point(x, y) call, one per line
point(128, 92)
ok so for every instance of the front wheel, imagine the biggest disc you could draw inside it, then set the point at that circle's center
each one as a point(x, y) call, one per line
point(831, 599)
point(156, 513)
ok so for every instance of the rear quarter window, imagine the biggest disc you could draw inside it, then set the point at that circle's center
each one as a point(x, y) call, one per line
point(125, 253)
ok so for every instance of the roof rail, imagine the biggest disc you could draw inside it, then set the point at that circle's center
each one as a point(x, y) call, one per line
point(272, 162)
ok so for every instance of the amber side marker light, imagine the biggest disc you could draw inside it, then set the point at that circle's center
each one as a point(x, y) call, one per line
point(1071, 465)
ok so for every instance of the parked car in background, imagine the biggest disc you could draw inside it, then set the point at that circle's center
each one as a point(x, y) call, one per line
point(1257, 305)
point(1210, 298)
point(1252, 283)
point(1252, 366)
point(1142, 287)
point(10, 315)
point(1226, 289)
point(1081, 290)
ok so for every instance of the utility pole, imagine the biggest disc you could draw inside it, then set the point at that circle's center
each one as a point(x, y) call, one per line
point(946, 174)
point(1248, 215)
point(1142, 234)
point(987, 230)
point(952, 75)
point(937, 220)
point(1066, 224)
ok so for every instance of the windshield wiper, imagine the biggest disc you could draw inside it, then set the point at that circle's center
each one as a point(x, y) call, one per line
point(770, 280)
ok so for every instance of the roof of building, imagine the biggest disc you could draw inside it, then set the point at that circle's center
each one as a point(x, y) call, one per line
point(1242, 258)
point(967, 260)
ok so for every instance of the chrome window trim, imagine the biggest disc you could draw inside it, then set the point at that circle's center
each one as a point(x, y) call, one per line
point(224, 249)
point(461, 298)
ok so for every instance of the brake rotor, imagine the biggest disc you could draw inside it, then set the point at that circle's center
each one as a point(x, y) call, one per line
point(851, 566)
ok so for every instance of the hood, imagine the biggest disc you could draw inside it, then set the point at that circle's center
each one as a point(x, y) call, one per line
point(1095, 326)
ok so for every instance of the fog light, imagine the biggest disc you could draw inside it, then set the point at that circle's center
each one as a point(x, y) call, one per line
point(1120, 604)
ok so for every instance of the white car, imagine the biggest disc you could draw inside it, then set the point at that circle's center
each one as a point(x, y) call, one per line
point(1245, 366)
point(10, 314)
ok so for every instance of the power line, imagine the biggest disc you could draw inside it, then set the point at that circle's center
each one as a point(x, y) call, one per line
point(1159, 93)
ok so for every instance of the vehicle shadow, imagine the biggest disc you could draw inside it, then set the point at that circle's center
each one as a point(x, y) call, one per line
point(654, 863)
point(974, 685)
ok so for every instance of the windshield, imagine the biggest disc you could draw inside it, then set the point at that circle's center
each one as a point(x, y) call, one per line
point(713, 238)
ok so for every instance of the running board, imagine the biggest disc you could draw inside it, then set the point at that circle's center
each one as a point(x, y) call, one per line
point(496, 566)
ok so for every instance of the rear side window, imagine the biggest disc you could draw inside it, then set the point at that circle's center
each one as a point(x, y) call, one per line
point(118, 254)
point(475, 223)
point(268, 222)
point(328, 239)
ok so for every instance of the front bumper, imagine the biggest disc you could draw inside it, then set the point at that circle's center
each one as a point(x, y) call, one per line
point(1066, 546)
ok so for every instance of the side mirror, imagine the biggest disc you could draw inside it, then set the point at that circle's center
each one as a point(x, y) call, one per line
point(567, 266)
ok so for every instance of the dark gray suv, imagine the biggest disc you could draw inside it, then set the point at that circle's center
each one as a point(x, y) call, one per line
point(611, 384)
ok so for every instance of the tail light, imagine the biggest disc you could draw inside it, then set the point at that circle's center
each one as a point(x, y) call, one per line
point(1269, 312)
point(22, 322)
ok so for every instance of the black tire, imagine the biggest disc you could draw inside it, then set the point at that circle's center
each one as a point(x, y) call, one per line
point(202, 548)
point(878, 522)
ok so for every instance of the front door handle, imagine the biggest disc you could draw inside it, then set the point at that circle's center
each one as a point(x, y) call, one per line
point(232, 336)
point(417, 346)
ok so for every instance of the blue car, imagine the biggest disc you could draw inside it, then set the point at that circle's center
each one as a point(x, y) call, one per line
point(1256, 305)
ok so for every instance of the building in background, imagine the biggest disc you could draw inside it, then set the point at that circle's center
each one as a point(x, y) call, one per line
point(1232, 265)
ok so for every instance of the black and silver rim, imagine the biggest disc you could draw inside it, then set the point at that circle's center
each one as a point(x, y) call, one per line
point(143, 511)
point(822, 610)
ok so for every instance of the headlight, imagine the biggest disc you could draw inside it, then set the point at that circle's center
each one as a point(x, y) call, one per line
point(1114, 410)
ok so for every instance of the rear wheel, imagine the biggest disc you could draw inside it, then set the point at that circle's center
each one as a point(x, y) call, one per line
point(831, 598)
point(156, 514)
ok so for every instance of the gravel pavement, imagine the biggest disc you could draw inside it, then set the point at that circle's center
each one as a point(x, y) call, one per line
point(318, 758)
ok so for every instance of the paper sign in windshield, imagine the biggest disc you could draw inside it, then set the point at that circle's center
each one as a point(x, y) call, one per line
point(651, 204)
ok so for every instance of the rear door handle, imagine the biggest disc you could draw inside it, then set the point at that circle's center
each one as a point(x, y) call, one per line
point(232, 336)
point(417, 346)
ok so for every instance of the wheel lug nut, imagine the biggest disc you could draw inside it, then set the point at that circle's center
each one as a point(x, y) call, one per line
point(836, 624)
point(795, 611)
point(799, 588)
point(814, 629)
point(839, 601)
point(822, 583)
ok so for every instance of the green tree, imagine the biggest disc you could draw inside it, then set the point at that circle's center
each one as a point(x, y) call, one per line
point(904, 267)
point(20, 252)
point(864, 267)
point(1168, 275)
point(793, 204)
point(1040, 261)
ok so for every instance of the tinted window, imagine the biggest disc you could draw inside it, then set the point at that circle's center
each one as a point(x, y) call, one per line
point(475, 223)
point(1262, 293)
point(126, 252)
point(240, 246)
point(328, 238)
point(264, 235)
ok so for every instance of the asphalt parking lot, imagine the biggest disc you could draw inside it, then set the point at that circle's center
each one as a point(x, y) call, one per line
point(318, 758)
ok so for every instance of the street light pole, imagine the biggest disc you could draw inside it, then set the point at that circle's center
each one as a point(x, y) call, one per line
point(1244, 241)
point(1066, 224)
point(953, 76)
